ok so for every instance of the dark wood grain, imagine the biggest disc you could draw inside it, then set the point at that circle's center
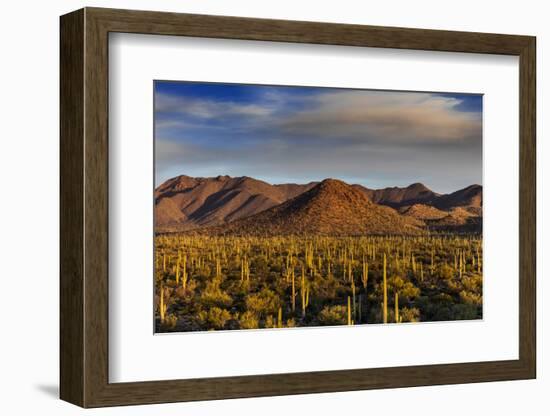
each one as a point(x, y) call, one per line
point(84, 207)
point(71, 100)
point(527, 208)
point(96, 220)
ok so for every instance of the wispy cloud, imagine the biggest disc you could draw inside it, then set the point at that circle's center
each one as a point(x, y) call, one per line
point(378, 138)
point(205, 108)
point(385, 116)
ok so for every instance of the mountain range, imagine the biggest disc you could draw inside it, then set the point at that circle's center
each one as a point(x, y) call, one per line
point(247, 206)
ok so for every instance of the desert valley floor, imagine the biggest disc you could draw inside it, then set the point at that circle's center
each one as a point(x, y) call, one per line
point(239, 253)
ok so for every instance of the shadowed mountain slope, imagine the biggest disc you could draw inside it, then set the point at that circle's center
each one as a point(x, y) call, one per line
point(397, 197)
point(422, 212)
point(184, 202)
point(471, 196)
point(330, 208)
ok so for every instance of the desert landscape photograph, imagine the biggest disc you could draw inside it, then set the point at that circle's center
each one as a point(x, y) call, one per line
point(290, 206)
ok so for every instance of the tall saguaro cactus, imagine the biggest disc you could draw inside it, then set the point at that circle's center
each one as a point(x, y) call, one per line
point(178, 269)
point(365, 275)
point(353, 299)
point(396, 307)
point(432, 262)
point(184, 276)
point(245, 269)
point(242, 270)
point(162, 304)
point(293, 299)
point(365, 280)
point(385, 288)
point(304, 293)
point(218, 269)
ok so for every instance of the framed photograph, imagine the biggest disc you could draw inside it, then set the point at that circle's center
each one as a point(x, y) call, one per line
point(257, 207)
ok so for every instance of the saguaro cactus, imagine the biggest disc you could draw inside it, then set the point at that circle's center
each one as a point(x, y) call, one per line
point(360, 310)
point(245, 269)
point(365, 275)
point(396, 307)
point(478, 262)
point(184, 276)
point(385, 288)
point(304, 292)
point(218, 269)
point(365, 280)
point(162, 304)
point(293, 298)
point(344, 270)
point(353, 299)
point(242, 270)
point(178, 270)
point(432, 262)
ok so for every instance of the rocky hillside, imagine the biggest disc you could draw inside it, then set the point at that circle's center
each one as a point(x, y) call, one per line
point(185, 203)
point(330, 208)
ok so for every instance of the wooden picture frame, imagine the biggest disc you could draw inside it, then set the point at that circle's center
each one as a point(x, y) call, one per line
point(84, 207)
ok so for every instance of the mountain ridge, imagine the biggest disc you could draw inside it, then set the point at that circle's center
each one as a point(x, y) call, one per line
point(331, 207)
point(184, 203)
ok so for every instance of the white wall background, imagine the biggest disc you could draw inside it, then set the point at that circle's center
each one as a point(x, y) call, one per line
point(29, 210)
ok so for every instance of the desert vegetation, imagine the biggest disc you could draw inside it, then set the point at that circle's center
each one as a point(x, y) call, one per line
point(210, 282)
point(324, 207)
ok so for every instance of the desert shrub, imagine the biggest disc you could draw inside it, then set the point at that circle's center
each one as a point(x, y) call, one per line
point(169, 322)
point(290, 323)
point(212, 295)
point(270, 322)
point(333, 315)
point(215, 317)
point(263, 303)
point(453, 286)
point(473, 283)
point(446, 272)
point(253, 297)
point(189, 290)
point(464, 311)
point(441, 298)
point(409, 291)
point(260, 265)
point(471, 298)
point(409, 314)
point(395, 282)
point(247, 320)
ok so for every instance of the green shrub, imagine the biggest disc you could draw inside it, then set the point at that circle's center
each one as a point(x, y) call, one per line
point(409, 314)
point(263, 303)
point(212, 295)
point(247, 320)
point(215, 317)
point(333, 315)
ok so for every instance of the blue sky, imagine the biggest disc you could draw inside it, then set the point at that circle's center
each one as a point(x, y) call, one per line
point(286, 134)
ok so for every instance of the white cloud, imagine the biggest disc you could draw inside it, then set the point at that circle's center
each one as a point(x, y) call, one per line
point(384, 116)
point(206, 109)
point(377, 138)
